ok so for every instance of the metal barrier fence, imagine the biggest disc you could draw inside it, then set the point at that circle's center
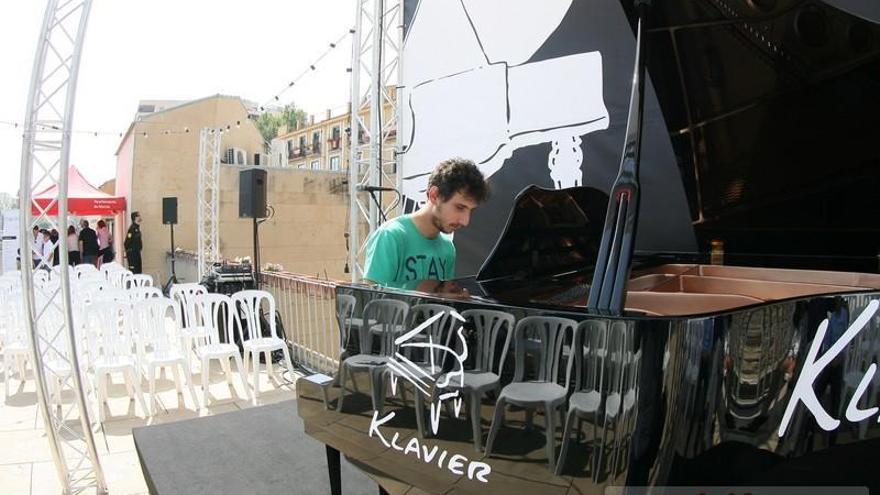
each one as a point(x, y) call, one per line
point(308, 311)
point(186, 266)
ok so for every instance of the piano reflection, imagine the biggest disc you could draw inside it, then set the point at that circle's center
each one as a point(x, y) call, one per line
point(573, 362)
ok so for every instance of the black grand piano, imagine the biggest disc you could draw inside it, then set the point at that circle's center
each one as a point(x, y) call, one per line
point(574, 362)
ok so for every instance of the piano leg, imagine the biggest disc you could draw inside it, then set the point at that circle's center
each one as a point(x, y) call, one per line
point(333, 470)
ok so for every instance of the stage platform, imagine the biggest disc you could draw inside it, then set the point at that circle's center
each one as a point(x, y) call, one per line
point(261, 450)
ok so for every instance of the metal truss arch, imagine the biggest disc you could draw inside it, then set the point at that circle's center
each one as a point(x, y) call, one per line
point(48, 313)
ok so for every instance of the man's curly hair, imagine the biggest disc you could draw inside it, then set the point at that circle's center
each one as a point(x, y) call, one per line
point(459, 175)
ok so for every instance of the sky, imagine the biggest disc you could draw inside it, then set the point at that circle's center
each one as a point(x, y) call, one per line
point(175, 50)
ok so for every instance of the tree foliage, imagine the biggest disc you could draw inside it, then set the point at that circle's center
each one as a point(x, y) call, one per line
point(269, 122)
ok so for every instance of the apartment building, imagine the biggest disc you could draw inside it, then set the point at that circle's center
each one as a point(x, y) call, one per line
point(324, 144)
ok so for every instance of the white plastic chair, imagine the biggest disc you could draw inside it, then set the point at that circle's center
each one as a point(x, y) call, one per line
point(137, 280)
point(112, 350)
point(86, 291)
point(143, 293)
point(56, 271)
point(106, 268)
point(249, 303)
point(14, 338)
point(218, 311)
point(41, 278)
point(56, 358)
point(85, 269)
point(159, 346)
point(118, 277)
point(190, 317)
point(111, 295)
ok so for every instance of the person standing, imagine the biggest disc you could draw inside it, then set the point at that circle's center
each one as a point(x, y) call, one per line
point(73, 257)
point(105, 249)
point(88, 243)
point(47, 249)
point(54, 236)
point(134, 243)
point(37, 246)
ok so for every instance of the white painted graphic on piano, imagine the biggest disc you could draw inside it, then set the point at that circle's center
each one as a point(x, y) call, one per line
point(455, 463)
point(806, 394)
point(430, 383)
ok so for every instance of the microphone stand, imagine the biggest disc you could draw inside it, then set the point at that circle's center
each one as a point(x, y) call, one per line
point(379, 204)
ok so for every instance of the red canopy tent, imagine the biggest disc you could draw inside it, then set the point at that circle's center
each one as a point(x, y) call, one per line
point(83, 199)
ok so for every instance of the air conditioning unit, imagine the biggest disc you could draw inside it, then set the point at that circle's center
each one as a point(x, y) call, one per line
point(236, 156)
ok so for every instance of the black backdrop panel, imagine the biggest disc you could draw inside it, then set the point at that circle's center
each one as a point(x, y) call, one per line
point(587, 26)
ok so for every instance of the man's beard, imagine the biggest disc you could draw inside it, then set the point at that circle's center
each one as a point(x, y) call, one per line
point(439, 225)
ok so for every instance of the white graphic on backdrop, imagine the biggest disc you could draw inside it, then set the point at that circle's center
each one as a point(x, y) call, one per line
point(467, 89)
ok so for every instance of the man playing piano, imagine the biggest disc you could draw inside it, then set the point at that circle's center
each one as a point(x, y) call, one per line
point(415, 251)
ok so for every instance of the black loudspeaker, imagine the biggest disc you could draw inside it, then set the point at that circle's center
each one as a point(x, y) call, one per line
point(252, 193)
point(169, 211)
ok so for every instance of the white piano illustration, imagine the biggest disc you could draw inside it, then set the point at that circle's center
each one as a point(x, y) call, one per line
point(469, 89)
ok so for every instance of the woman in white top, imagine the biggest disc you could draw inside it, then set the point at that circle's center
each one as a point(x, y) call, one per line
point(37, 249)
point(48, 250)
point(73, 246)
point(105, 252)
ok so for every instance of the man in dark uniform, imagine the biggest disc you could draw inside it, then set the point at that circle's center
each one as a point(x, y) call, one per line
point(134, 244)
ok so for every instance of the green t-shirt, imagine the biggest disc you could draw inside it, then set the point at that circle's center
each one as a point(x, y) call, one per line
point(398, 253)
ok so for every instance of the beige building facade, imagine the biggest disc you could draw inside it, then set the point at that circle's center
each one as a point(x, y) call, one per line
point(158, 157)
point(324, 144)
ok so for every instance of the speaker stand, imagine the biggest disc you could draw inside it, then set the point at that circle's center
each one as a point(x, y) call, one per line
point(256, 255)
point(173, 278)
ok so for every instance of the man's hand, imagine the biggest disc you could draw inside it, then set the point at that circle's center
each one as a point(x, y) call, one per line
point(451, 289)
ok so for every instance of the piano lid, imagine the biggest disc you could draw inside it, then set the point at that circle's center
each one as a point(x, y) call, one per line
point(866, 9)
point(548, 232)
point(772, 106)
